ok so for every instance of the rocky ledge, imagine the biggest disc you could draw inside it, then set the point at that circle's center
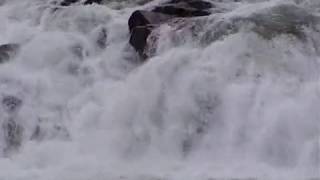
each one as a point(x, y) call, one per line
point(189, 18)
point(69, 2)
point(142, 22)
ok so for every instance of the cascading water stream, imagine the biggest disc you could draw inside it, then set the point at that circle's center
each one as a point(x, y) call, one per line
point(229, 101)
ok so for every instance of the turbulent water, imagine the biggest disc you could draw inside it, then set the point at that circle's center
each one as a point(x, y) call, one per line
point(240, 106)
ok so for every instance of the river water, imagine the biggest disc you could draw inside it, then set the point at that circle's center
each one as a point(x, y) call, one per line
point(239, 107)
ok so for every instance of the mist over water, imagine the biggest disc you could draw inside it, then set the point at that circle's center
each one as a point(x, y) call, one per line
point(238, 106)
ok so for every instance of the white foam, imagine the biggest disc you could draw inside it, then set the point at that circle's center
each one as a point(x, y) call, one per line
point(241, 107)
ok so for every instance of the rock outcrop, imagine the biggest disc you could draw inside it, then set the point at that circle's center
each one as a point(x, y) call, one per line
point(184, 8)
point(186, 16)
point(141, 23)
point(69, 2)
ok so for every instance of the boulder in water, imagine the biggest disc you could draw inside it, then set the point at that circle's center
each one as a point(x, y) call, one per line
point(69, 2)
point(270, 22)
point(141, 23)
point(146, 18)
point(93, 1)
point(179, 10)
point(201, 5)
point(138, 39)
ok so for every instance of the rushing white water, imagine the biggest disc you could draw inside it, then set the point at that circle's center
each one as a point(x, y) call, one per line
point(239, 107)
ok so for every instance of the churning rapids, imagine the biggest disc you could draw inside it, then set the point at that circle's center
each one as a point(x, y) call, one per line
point(222, 99)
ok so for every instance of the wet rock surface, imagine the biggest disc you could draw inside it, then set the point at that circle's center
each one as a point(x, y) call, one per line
point(69, 2)
point(236, 89)
point(190, 17)
point(141, 23)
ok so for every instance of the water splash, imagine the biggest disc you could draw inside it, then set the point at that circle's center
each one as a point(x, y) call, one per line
point(237, 106)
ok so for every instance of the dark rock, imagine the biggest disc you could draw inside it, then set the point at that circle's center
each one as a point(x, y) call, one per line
point(93, 1)
point(141, 23)
point(200, 5)
point(270, 22)
point(7, 51)
point(180, 11)
point(146, 18)
point(137, 19)
point(185, 8)
point(69, 2)
point(138, 39)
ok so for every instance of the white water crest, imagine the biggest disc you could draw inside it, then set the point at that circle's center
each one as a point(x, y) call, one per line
point(240, 106)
